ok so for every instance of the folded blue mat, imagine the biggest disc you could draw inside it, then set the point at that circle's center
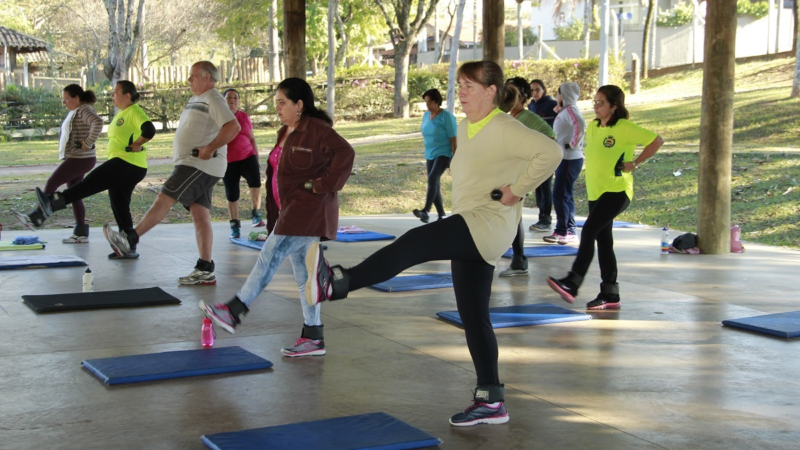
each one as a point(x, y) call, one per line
point(546, 250)
point(523, 315)
point(40, 262)
point(361, 237)
point(177, 364)
point(376, 431)
point(416, 282)
point(243, 241)
point(580, 223)
point(785, 325)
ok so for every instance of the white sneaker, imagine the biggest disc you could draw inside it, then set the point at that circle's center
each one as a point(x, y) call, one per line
point(76, 240)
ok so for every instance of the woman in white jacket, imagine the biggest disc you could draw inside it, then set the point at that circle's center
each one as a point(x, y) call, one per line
point(570, 130)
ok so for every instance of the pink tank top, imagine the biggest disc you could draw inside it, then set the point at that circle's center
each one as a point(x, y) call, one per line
point(274, 159)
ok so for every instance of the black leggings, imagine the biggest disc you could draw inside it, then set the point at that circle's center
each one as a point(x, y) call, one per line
point(119, 178)
point(247, 168)
point(447, 239)
point(598, 228)
point(433, 197)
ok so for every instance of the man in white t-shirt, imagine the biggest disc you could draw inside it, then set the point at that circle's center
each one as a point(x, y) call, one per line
point(199, 151)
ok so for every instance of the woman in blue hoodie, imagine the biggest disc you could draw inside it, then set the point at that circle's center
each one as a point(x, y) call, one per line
point(570, 129)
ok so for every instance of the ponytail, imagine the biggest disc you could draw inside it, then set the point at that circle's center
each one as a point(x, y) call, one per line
point(87, 97)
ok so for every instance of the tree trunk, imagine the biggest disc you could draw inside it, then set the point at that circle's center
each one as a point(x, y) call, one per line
point(447, 32)
point(123, 37)
point(796, 83)
point(333, 16)
point(587, 26)
point(454, 48)
point(494, 31)
point(796, 15)
point(402, 51)
point(294, 38)
point(272, 31)
point(716, 130)
point(344, 39)
point(648, 22)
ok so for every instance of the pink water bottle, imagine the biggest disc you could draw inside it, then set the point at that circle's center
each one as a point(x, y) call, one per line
point(207, 333)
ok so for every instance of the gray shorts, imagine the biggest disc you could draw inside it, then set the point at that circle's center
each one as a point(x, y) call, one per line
point(188, 185)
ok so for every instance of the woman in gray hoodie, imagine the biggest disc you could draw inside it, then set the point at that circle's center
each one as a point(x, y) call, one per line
point(570, 130)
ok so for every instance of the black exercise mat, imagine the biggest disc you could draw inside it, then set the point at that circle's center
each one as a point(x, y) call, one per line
point(99, 300)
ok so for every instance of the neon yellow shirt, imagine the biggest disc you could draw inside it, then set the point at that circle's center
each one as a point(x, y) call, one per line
point(605, 147)
point(125, 129)
point(473, 128)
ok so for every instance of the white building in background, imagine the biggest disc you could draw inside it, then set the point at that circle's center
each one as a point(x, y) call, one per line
point(673, 46)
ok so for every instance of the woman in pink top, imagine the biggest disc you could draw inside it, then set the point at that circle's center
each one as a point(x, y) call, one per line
point(242, 162)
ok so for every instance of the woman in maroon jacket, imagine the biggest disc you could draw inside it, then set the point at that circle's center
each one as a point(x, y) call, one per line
point(308, 151)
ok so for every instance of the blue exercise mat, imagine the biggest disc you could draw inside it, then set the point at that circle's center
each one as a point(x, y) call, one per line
point(523, 315)
point(243, 241)
point(39, 262)
point(362, 237)
point(177, 364)
point(416, 282)
point(785, 325)
point(580, 223)
point(546, 250)
point(376, 431)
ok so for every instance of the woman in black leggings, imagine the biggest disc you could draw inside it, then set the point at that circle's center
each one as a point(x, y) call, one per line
point(126, 166)
point(495, 151)
point(609, 164)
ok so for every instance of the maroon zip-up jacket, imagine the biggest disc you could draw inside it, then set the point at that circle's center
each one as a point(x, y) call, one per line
point(314, 151)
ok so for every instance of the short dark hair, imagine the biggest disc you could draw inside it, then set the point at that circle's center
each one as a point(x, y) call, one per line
point(129, 88)
point(615, 97)
point(434, 95)
point(225, 92)
point(74, 90)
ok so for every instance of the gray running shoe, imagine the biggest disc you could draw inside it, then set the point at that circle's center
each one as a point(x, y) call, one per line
point(76, 240)
point(513, 272)
point(129, 255)
point(305, 347)
point(119, 242)
point(221, 315)
point(200, 277)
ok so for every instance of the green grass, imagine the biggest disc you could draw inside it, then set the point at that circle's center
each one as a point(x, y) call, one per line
point(389, 177)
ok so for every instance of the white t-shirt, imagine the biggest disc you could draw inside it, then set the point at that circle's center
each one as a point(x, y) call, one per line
point(200, 122)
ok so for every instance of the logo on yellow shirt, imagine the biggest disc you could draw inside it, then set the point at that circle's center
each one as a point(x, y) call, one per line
point(120, 122)
point(609, 142)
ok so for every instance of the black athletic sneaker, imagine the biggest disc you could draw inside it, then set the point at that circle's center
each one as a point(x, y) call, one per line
point(480, 412)
point(127, 255)
point(564, 287)
point(422, 215)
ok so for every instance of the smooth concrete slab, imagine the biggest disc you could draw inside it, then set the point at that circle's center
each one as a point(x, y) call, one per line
point(661, 373)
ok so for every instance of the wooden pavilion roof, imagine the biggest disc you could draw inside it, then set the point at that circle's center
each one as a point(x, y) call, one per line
point(20, 42)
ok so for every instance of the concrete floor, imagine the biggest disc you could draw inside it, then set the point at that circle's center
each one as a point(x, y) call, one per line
point(662, 373)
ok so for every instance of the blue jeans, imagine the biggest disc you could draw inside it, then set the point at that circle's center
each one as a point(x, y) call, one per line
point(276, 249)
point(566, 174)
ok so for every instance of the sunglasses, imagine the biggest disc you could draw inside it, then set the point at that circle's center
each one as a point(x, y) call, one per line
point(599, 103)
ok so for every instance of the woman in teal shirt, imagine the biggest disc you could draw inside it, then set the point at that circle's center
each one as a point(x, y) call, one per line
point(439, 133)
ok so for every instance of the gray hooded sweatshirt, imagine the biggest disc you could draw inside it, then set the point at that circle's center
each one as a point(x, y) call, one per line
point(569, 125)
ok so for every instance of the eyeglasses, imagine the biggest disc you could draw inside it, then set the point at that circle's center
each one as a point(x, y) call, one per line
point(598, 103)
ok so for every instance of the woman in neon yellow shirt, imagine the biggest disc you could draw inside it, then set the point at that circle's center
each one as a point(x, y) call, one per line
point(126, 166)
point(609, 163)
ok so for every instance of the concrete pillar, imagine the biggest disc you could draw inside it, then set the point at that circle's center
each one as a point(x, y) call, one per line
point(716, 129)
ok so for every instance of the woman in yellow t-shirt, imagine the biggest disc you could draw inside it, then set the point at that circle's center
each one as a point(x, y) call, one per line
point(126, 166)
point(609, 163)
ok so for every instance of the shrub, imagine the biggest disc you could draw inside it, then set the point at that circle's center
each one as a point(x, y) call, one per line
point(681, 14)
point(511, 36)
point(573, 30)
point(35, 108)
point(581, 71)
point(750, 8)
